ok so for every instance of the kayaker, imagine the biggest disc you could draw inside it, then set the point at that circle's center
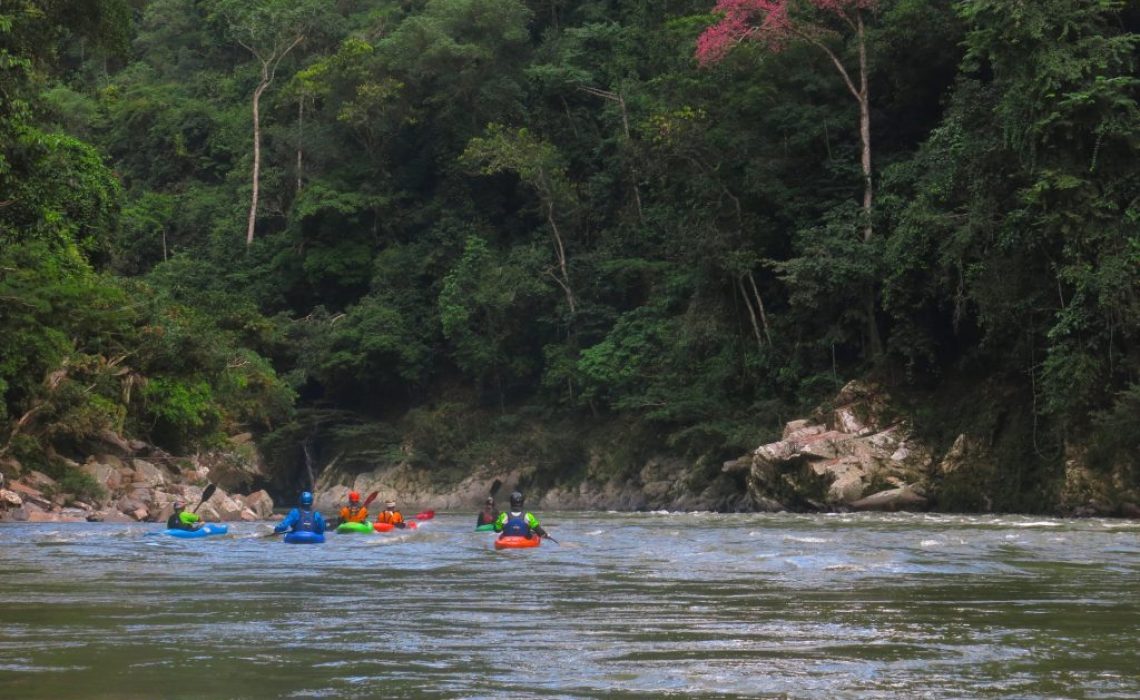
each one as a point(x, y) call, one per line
point(489, 514)
point(303, 518)
point(518, 522)
point(391, 516)
point(181, 520)
point(353, 512)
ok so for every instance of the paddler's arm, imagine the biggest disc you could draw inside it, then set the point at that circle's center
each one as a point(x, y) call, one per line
point(287, 522)
point(534, 525)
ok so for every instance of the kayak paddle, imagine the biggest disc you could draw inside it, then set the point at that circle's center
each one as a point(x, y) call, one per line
point(210, 489)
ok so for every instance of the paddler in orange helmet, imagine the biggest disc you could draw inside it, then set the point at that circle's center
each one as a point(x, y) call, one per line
point(391, 516)
point(354, 512)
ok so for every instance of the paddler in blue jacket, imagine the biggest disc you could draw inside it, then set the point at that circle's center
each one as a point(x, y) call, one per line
point(303, 518)
point(517, 522)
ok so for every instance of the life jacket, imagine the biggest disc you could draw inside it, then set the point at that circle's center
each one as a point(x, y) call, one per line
point(487, 516)
point(392, 517)
point(306, 523)
point(516, 525)
point(348, 516)
point(174, 522)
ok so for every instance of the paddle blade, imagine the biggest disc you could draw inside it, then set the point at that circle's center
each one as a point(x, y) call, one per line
point(210, 489)
point(495, 486)
point(371, 497)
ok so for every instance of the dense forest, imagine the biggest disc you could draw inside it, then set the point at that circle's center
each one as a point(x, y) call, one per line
point(459, 231)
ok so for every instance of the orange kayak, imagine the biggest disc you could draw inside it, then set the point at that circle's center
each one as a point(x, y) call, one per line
point(516, 542)
point(387, 527)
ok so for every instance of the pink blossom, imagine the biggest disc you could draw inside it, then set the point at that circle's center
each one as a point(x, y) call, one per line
point(768, 21)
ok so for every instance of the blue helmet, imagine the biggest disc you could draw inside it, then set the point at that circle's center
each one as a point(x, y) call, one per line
point(306, 499)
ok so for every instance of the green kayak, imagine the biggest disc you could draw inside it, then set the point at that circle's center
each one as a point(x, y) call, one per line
point(354, 527)
point(489, 527)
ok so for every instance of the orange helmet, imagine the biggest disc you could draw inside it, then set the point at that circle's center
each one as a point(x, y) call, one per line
point(354, 497)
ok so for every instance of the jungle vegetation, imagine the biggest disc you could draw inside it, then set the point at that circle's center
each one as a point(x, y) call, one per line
point(453, 231)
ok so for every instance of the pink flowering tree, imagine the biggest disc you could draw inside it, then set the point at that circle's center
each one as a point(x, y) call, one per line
point(777, 23)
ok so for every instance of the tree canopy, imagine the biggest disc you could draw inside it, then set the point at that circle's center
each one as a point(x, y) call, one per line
point(571, 213)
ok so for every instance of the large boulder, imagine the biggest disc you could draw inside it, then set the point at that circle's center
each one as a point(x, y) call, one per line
point(901, 498)
point(837, 457)
point(260, 504)
point(107, 476)
point(962, 480)
point(147, 474)
point(235, 467)
point(1105, 491)
point(222, 507)
point(110, 515)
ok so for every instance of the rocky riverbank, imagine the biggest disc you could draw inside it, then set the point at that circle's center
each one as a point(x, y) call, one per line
point(859, 452)
point(130, 481)
point(856, 453)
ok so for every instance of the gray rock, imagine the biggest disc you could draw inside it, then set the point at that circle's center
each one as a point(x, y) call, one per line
point(902, 498)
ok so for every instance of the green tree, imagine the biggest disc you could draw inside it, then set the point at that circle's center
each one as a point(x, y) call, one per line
point(482, 306)
point(269, 30)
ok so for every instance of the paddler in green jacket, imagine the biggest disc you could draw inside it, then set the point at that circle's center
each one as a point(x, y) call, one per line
point(517, 522)
point(181, 520)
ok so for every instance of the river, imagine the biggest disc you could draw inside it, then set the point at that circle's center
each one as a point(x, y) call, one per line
point(627, 605)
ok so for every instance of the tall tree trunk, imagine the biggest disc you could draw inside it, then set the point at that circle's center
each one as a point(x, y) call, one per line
point(617, 97)
point(873, 337)
point(261, 86)
point(760, 308)
point(563, 280)
point(300, 144)
point(865, 130)
point(751, 314)
point(862, 95)
point(268, 70)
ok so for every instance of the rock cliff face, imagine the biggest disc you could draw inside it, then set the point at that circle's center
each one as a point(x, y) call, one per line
point(854, 456)
point(856, 453)
point(135, 482)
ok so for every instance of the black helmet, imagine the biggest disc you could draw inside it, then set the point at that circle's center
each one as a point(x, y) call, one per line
point(516, 500)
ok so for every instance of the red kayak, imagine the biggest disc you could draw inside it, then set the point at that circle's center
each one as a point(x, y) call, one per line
point(425, 515)
point(388, 527)
point(517, 542)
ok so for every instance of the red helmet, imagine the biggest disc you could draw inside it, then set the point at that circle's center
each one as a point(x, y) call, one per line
point(354, 497)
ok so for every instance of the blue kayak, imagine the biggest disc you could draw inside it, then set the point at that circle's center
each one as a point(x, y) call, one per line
point(303, 537)
point(205, 531)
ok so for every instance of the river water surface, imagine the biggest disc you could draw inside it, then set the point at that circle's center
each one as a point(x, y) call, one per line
point(627, 605)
